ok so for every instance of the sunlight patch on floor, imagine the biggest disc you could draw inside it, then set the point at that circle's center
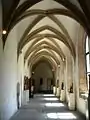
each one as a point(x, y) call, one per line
point(47, 95)
point(51, 99)
point(61, 116)
point(54, 104)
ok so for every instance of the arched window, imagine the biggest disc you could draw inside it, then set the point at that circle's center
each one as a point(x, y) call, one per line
point(87, 50)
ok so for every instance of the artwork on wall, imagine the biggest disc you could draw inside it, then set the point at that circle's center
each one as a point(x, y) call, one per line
point(57, 83)
point(51, 81)
point(41, 81)
point(62, 86)
point(71, 88)
point(26, 83)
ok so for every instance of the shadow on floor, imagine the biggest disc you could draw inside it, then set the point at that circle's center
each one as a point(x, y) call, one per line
point(46, 107)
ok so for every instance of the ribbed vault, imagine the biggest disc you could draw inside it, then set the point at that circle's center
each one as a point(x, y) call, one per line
point(47, 13)
point(50, 31)
point(45, 40)
point(46, 53)
point(40, 17)
point(42, 45)
point(77, 7)
point(43, 57)
point(61, 37)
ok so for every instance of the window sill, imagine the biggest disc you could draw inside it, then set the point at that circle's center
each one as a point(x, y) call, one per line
point(84, 95)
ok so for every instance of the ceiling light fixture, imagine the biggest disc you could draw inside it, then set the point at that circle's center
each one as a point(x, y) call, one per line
point(63, 59)
point(53, 69)
point(32, 72)
point(4, 32)
point(59, 66)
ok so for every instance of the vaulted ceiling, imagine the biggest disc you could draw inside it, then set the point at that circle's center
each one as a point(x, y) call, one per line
point(46, 28)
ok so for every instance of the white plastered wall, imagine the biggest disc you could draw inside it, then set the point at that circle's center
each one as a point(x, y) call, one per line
point(9, 77)
point(11, 72)
point(42, 71)
point(1, 53)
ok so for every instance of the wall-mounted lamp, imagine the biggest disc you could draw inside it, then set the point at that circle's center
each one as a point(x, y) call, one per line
point(53, 69)
point(63, 59)
point(32, 73)
point(58, 66)
point(4, 32)
point(20, 51)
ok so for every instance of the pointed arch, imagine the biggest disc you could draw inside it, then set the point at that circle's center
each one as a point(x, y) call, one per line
point(51, 36)
point(49, 46)
point(47, 53)
point(46, 49)
point(61, 37)
point(43, 57)
point(53, 18)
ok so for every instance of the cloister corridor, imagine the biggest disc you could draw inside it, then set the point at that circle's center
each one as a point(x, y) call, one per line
point(44, 50)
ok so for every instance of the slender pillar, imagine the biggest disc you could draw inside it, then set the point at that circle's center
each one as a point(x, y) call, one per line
point(89, 100)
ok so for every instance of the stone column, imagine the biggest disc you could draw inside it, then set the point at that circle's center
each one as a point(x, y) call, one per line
point(81, 61)
point(69, 75)
point(88, 114)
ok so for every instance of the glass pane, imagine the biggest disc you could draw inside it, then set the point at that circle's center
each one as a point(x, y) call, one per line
point(88, 63)
point(88, 81)
point(87, 45)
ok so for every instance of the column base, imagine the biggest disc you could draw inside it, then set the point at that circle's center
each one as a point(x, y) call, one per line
point(71, 102)
point(62, 95)
point(88, 109)
point(25, 96)
point(58, 92)
point(54, 90)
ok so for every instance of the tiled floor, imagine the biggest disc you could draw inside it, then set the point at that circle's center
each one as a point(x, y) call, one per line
point(46, 107)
